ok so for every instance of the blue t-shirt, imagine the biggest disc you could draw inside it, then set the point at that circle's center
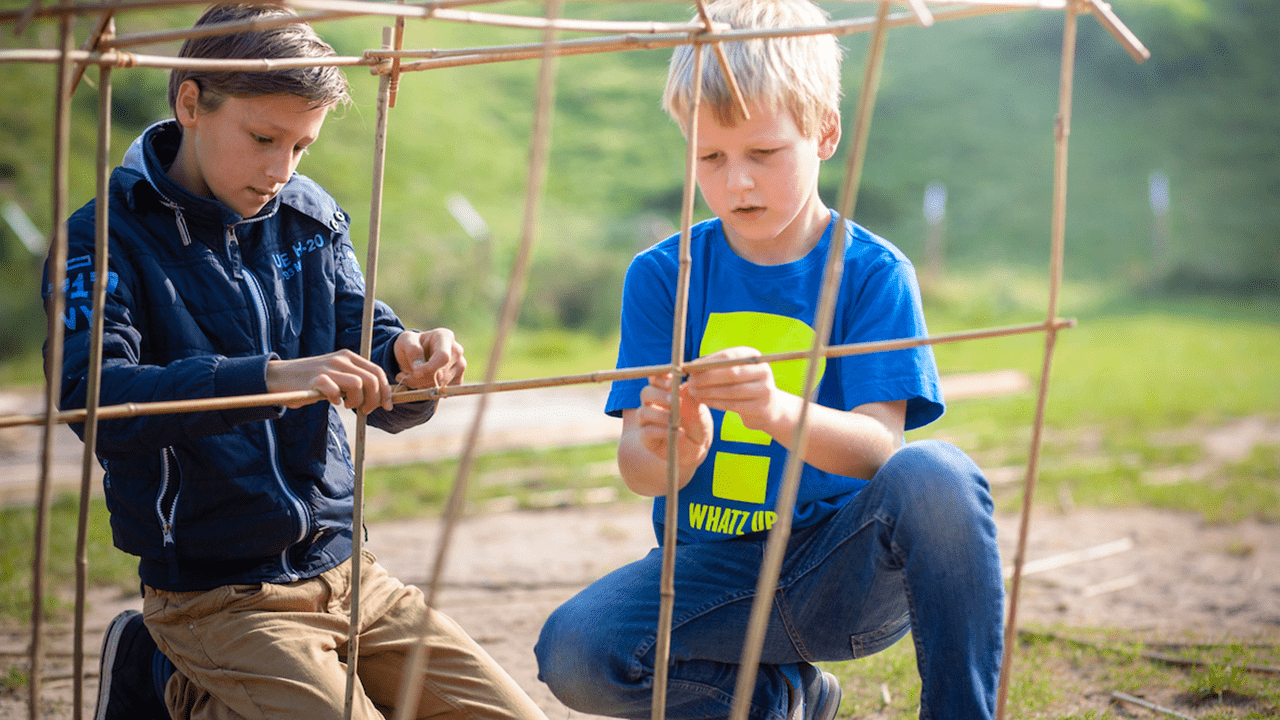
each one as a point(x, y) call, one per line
point(734, 302)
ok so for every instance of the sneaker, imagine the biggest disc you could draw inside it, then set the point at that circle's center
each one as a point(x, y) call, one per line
point(126, 672)
point(821, 693)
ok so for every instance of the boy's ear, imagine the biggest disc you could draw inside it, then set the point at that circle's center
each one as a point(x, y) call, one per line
point(187, 103)
point(829, 136)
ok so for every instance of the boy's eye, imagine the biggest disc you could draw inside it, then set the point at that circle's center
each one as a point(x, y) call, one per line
point(261, 139)
point(709, 157)
point(301, 149)
point(765, 151)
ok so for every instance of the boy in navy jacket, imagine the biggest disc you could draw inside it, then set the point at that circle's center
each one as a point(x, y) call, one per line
point(231, 275)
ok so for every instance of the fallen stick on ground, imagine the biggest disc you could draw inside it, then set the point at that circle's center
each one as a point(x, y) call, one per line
point(1125, 697)
point(1054, 562)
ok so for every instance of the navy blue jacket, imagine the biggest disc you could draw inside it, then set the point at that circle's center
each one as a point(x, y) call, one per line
point(199, 300)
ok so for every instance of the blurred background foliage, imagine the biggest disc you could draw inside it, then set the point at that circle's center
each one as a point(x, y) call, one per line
point(967, 104)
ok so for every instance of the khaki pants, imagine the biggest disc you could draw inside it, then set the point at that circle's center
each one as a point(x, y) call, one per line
point(272, 652)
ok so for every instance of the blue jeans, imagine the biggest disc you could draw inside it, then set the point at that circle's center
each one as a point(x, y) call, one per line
point(914, 550)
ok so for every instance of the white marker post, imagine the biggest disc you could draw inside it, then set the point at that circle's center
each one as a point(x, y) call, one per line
point(935, 215)
point(1158, 193)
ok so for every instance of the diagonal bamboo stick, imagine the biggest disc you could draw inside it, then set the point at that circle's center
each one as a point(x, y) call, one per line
point(775, 548)
point(162, 407)
point(670, 528)
point(1122, 34)
point(53, 386)
point(539, 152)
point(923, 16)
point(1057, 243)
point(366, 344)
point(724, 63)
point(99, 35)
point(101, 259)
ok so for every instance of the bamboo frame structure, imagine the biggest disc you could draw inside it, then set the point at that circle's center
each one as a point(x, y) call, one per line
point(104, 49)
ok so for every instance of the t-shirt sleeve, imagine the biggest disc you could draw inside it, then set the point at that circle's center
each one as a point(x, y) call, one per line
point(886, 306)
point(648, 302)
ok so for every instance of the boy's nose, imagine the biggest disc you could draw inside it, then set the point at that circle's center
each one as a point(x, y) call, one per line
point(280, 168)
point(740, 179)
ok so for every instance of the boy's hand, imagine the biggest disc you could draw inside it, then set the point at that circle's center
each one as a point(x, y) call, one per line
point(429, 359)
point(693, 437)
point(748, 389)
point(344, 378)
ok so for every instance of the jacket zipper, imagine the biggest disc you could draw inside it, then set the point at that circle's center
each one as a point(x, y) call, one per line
point(255, 292)
point(168, 515)
point(178, 217)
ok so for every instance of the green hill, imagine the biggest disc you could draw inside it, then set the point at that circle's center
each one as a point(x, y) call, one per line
point(967, 103)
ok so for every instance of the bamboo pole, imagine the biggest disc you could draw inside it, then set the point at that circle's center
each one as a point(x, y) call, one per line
point(923, 16)
point(93, 42)
point(582, 46)
point(671, 525)
point(120, 59)
point(775, 548)
point(1122, 34)
point(366, 344)
point(539, 152)
point(15, 16)
point(53, 385)
point(128, 410)
point(1057, 241)
point(258, 24)
point(437, 58)
point(729, 76)
point(101, 261)
point(397, 44)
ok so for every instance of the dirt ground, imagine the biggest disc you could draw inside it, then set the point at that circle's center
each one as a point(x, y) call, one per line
point(1168, 576)
point(1155, 575)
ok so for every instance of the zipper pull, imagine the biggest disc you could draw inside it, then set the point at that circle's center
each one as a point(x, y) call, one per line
point(181, 220)
point(233, 251)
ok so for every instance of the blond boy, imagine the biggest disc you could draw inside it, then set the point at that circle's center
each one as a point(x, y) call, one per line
point(887, 538)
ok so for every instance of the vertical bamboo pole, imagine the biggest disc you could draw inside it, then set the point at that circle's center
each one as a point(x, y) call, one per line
point(670, 527)
point(539, 151)
point(1062, 130)
point(397, 43)
point(780, 532)
point(53, 382)
point(100, 268)
point(366, 344)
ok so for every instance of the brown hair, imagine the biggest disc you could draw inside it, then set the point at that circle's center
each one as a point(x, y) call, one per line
point(321, 85)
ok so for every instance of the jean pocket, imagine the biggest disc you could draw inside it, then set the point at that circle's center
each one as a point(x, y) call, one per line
point(870, 643)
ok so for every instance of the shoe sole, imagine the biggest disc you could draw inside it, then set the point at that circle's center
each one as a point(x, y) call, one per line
point(110, 645)
point(829, 702)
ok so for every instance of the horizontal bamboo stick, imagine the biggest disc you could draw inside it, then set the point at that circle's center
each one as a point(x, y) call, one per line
point(352, 8)
point(121, 59)
point(223, 28)
point(126, 410)
point(437, 58)
point(8, 16)
point(582, 46)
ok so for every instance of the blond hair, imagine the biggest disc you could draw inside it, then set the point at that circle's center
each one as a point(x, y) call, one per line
point(798, 73)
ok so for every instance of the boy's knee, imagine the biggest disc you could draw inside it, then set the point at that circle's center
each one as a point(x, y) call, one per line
point(572, 662)
point(938, 475)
